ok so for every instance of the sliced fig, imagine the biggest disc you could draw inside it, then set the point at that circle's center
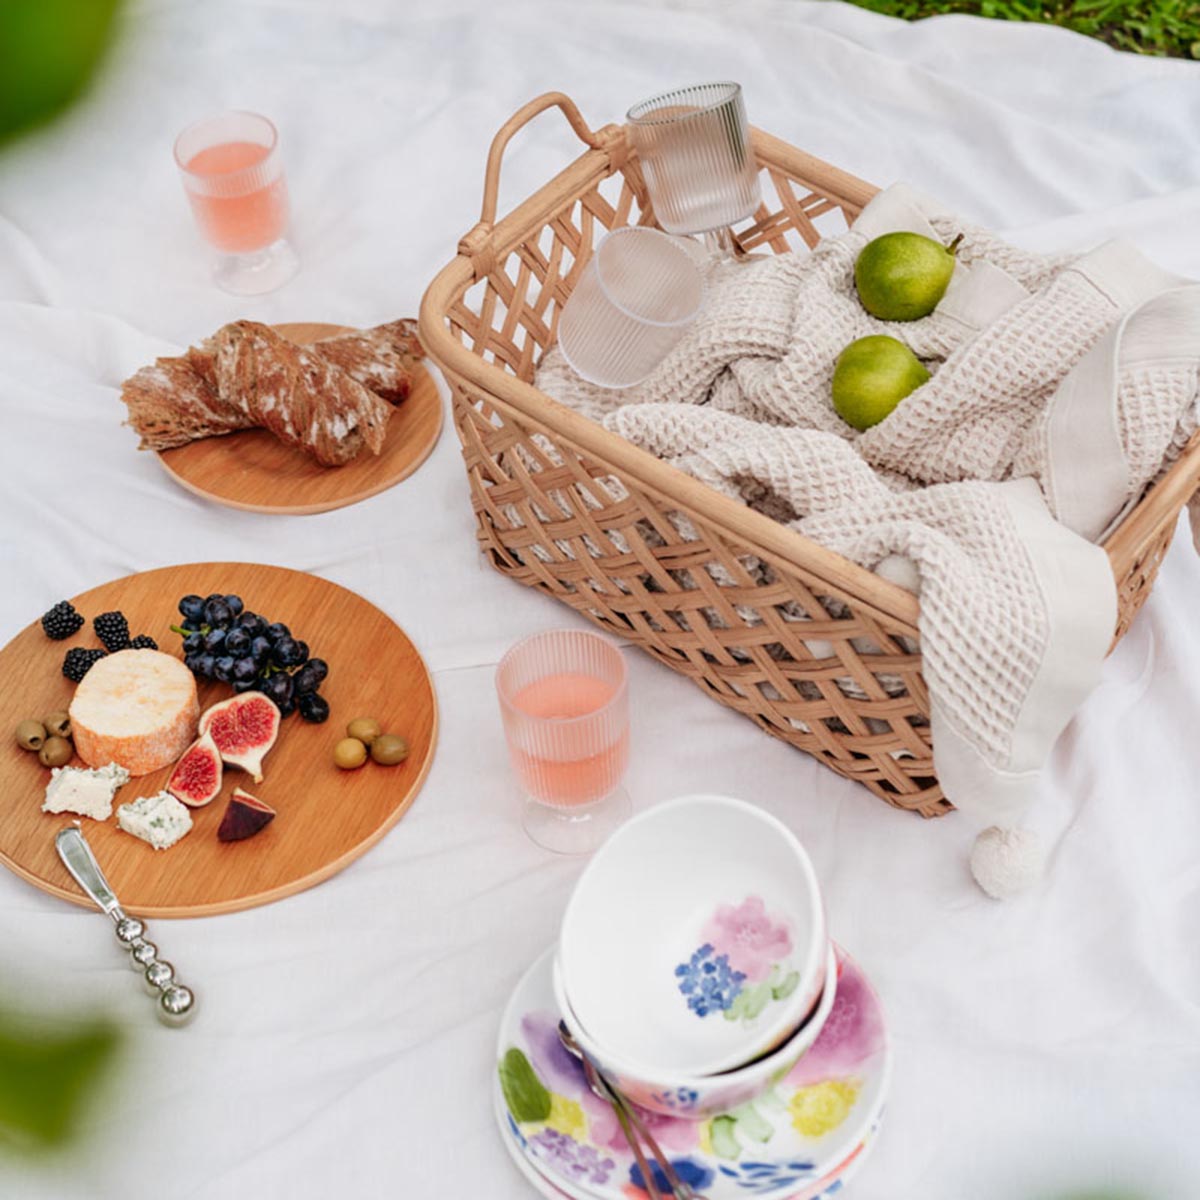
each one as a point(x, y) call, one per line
point(245, 816)
point(244, 728)
point(196, 779)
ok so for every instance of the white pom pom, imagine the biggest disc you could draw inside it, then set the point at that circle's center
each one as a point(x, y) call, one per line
point(1007, 861)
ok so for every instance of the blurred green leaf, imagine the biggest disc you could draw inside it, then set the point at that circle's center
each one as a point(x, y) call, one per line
point(49, 51)
point(47, 1078)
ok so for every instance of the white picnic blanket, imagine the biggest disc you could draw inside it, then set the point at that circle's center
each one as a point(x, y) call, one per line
point(1044, 1047)
point(1060, 387)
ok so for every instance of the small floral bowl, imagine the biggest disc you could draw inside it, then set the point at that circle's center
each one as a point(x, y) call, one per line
point(697, 1097)
point(694, 942)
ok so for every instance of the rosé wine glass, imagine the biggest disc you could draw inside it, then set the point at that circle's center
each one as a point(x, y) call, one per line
point(232, 172)
point(564, 701)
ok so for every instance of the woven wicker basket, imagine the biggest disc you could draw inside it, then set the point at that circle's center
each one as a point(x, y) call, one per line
point(859, 703)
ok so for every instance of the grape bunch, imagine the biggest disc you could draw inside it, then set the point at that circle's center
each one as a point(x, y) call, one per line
point(223, 641)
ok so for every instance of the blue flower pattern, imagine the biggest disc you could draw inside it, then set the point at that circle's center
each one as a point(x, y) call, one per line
point(695, 1174)
point(680, 1100)
point(767, 1176)
point(708, 981)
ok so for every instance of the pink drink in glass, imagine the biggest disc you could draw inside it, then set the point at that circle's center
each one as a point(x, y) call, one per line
point(570, 780)
point(564, 700)
point(232, 171)
point(243, 220)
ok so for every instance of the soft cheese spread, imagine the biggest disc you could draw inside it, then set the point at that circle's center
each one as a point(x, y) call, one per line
point(160, 820)
point(86, 792)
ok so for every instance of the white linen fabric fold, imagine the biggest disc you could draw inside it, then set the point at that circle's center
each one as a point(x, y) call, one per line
point(346, 1035)
point(1060, 388)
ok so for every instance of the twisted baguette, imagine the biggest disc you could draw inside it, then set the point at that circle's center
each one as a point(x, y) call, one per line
point(325, 399)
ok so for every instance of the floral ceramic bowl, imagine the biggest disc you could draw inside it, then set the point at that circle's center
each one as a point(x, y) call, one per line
point(694, 1097)
point(694, 942)
point(801, 1139)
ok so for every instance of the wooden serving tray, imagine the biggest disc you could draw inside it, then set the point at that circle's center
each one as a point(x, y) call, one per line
point(326, 817)
point(253, 470)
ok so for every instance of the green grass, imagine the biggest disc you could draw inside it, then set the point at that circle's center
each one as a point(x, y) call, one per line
point(1168, 27)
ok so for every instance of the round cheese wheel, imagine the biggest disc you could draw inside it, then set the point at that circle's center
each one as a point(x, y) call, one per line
point(135, 708)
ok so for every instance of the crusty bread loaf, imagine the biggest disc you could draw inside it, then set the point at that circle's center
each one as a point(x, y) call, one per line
point(248, 376)
point(170, 405)
point(382, 359)
point(299, 396)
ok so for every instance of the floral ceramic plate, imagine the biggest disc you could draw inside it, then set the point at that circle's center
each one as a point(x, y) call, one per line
point(829, 1188)
point(799, 1139)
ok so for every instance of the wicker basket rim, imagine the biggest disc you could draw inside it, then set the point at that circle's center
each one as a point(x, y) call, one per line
point(487, 245)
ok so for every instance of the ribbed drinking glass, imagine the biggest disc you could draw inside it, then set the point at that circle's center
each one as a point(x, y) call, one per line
point(637, 297)
point(564, 701)
point(694, 148)
point(232, 172)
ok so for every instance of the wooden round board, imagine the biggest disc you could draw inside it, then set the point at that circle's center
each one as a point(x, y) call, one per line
point(326, 817)
point(255, 471)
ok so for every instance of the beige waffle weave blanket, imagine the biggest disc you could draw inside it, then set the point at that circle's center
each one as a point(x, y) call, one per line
point(1060, 387)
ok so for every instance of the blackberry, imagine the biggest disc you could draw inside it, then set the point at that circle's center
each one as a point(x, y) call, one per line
point(61, 621)
point(113, 630)
point(143, 641)
point(80, 661)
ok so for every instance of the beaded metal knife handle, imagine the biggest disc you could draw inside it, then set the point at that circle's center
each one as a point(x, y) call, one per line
point(176, 1003)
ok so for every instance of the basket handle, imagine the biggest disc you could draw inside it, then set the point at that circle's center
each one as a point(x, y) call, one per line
point(519, 119)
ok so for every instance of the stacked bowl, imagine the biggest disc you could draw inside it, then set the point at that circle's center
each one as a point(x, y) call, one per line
point(694, 967)
point(694, 982)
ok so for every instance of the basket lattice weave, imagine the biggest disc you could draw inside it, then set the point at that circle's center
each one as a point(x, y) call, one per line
point(859, 703)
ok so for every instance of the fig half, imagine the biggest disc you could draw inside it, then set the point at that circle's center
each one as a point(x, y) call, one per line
point(196, 779)
point(244, 728)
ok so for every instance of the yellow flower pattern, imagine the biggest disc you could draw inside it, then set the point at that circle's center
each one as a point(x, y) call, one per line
point(566, 1117)
point(821, 1108)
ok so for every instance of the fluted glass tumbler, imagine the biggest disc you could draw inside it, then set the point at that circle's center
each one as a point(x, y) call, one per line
point(232, 173)
point(638, 295)
point(693, 144)
point(564, 701)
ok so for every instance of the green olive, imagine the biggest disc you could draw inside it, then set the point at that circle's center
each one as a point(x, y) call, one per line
point(389, 749)
point(58, 724)
point(31, 735)
point(349, 753)
point(366, 729)
point(56, 752)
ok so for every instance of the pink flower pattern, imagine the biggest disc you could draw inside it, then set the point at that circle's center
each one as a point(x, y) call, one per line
point(752, 941)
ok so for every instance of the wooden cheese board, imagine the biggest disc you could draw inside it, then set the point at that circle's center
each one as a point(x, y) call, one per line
point(326, 818)
point(253, 470)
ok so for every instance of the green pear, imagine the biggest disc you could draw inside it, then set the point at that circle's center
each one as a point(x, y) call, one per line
point(871, 377)
point(902, 276)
